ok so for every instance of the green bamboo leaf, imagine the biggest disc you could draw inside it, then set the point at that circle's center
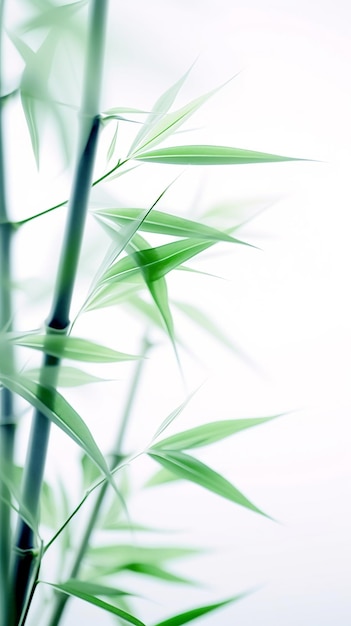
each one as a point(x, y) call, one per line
point(160, 108)
point(111, 294)
point(191, 469)
point(209, 155)
point(161, 477)
point(112, 146)
point(73, 348)
point(158, 572)
point(206, 434)
point(11, 476)
point(155, 262)
point(165, 224)
point(188, 616)
point(54, 406)
point(173, 415)
point(94, 589)
point(116, 557)
point(70, 589)
point(67, 376)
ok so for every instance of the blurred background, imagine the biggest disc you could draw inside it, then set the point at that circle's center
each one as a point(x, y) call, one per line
point(284, 307)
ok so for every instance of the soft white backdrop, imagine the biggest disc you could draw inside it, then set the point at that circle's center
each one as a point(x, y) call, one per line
point(286, 305)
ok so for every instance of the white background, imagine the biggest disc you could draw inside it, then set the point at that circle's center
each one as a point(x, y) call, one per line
point(287, 305)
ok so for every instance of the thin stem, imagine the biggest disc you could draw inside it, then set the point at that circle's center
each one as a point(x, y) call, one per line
point(7, 426)
point(59, 317)
point(116, 459)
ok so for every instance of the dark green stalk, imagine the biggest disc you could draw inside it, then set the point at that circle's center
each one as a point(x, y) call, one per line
point(115, 461)
point(59, 317)
point(7, 426)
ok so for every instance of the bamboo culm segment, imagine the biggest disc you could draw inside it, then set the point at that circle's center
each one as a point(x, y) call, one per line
point(59, 317)
point(7, 426)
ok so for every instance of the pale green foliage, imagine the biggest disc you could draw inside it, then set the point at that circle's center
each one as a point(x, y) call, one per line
point(133, 274)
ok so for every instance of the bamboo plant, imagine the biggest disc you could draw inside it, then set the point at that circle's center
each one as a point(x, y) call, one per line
point(134, 274)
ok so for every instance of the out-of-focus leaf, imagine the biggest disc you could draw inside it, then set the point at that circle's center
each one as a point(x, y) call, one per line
point(115, 557)
point(160, 108)
point(72, 348)
point(165, 224)
point(11, 476)
point(189, 616)
point(206, 434)
point(158, 572)
point(67, 377)
point(208, 155)
point(90, 473)
point(71, 590)
point(161, 477)
point(54, 406)
point(191, 469)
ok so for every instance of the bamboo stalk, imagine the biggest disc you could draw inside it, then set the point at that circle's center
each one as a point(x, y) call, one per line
point(58, 320)
point(7, 426)
point(62, 599)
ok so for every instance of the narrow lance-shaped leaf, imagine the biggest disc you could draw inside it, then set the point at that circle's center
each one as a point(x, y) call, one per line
point(72, 348)
point(67, 376)
point(206, 434)
point(165, 224)
point(161, 106)
point(209, 155)
point(156, 262)
point(71, 589)
point(189, 616)
point(54, 406)
point(117, 557)
point(191, 469)
point(158, 572)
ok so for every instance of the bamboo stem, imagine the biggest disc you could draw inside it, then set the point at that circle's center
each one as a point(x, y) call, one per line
point(116, 459)
point(59, 317)
point(7, 426)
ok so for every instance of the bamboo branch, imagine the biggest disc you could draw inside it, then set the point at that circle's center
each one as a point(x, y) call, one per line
point(117, 456)
point(59, 317)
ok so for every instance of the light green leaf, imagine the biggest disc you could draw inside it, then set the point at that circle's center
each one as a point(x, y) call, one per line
point(111, 294)
point(160, 108)
point(116, 557)
point(94, 589)
point(158, 572)
point(208, 155)
point(173, 415)
point(112, 146)
point(73, 348)
point(206, 434)
point(165, 224)
point(189, 616)
point(54, 406)
point(161, 477)
point(67, 377)
point(11, 477)
point(155, 262)
point(191, 469)
point(71, 590)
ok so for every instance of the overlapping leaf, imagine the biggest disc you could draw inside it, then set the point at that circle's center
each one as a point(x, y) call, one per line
point(160, 108)
point(73, 348)
point(71, 588)
point(195, 471)
point(54, 406)
point(165, 224)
